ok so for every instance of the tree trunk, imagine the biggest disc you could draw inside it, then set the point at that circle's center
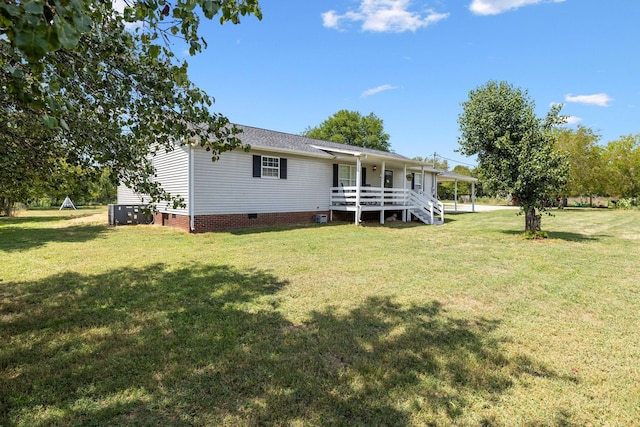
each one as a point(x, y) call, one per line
point(532, 221)
point(6, 206)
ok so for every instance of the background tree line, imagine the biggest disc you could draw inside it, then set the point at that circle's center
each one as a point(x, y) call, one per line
point(609, 170)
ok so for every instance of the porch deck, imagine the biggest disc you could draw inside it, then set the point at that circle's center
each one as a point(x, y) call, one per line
point(360, 199)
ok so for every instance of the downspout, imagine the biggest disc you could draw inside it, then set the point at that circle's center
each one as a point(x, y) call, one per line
point(192, 221)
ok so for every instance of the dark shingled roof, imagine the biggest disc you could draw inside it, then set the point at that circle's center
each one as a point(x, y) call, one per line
point(263, 138)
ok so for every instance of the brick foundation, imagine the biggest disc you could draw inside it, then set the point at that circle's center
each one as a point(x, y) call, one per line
point(205, 223)
point(172, 220)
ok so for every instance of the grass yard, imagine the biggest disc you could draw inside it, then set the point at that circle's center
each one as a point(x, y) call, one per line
point(464, 324)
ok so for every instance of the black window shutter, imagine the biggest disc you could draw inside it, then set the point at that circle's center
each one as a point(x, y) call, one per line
point(283, 168)
point(413, 181)
point(335, 174)
point(364, 176)
point(257, 166)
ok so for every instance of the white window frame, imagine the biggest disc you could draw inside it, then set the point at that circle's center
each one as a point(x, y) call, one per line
point(270, 167)
point(347, 175)
point(417, 182)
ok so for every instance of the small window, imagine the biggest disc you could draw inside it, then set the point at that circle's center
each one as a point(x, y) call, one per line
point(270, 167)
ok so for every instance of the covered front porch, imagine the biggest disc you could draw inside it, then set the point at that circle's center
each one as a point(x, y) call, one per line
point(392, 185)
point(359, 199)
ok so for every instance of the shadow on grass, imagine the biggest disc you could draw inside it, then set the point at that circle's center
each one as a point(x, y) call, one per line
point(17, 238)
point(560, 235)
point(207, 345)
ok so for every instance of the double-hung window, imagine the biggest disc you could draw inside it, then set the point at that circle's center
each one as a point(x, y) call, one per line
point(269, 167)
point(347, 175)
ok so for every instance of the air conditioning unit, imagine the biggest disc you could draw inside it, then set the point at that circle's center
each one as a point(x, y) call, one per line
point(321, 218)
point(129, 215)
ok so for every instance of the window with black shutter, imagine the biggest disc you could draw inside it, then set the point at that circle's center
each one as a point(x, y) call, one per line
point(269, 167)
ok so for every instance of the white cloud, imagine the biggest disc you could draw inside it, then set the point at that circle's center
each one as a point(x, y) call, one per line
point(495, 7)
point(377, 90)
point(119, 5)
point(383, 16)
point(572, 120)
point(330, 19)
point(599, 99)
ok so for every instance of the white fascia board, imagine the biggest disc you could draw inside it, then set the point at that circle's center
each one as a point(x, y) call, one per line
point(338, 150)
point(254, 147)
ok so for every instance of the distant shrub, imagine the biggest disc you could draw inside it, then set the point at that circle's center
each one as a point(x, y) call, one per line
point(630, 203)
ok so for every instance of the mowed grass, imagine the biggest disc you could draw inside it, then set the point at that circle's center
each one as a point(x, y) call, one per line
point(464, 324)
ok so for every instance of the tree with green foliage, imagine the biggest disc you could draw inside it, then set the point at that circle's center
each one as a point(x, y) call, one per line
point(352, 128)
point(28, 158)
point(586, 175)
point(106, 94)
point(622, 166)
point(514, 148)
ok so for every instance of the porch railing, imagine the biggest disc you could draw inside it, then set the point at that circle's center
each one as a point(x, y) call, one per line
point(369, 196)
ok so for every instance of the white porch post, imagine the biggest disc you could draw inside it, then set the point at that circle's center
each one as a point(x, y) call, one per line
point(455, 196)
point(404, 187)
point(473, 196)
point(358, 179)
point(434, 185)
point(383, 166)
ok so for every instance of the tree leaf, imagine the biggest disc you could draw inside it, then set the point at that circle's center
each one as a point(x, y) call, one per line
point(11, 9)
point(82, 22)
point(67, 34)
point(50, 122)
point(32, 42)
point(33, 7)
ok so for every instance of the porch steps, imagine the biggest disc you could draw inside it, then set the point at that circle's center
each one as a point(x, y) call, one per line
point(427, 209)
point(424, 216)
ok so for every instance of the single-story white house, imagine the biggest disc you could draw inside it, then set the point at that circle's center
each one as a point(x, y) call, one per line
point(290, 179)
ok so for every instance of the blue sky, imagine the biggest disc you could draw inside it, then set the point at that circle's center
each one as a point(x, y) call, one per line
point(412, 63)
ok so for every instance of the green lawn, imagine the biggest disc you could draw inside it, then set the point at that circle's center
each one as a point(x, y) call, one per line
point(463, 324)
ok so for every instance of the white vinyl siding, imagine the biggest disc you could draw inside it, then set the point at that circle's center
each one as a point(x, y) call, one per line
point(172, 172)
point(127, 196)
point(227, 186)
point(429, 183)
